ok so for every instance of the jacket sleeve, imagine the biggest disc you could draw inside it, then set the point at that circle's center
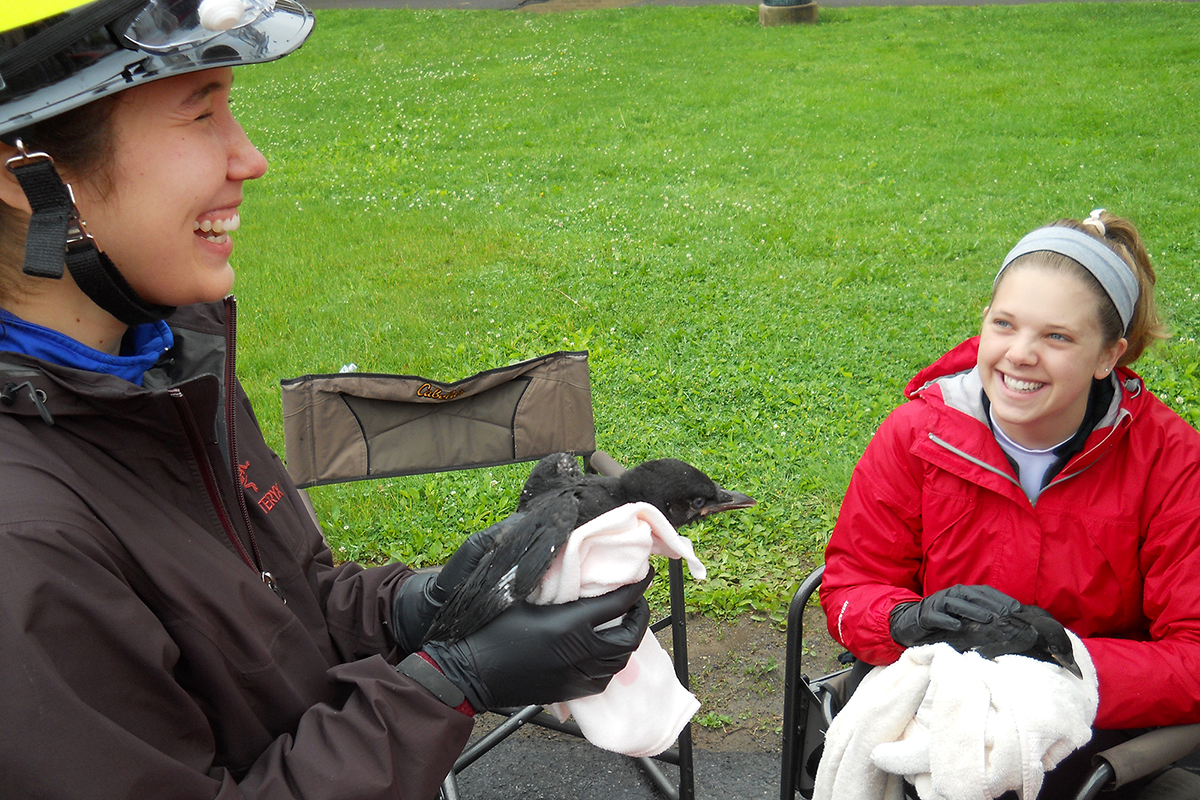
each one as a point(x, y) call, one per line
point(1157, 682)
point(874, 555)
point(93, 700)
point(356, 602)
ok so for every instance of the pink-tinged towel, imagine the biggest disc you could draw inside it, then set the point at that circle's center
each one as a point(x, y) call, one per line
point(644, 707)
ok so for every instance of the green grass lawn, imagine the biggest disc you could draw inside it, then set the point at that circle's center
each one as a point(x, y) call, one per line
point(759, 234)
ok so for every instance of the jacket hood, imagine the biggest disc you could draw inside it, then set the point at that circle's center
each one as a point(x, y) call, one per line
point(952, 387)
point(960, 359)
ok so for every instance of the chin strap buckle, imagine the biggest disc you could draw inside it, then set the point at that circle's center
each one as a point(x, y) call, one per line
point(39, 169)
point(55, 224)
point(78, 238)
point(24, 157)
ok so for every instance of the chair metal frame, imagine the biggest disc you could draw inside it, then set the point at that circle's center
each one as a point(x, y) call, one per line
point(810, 705)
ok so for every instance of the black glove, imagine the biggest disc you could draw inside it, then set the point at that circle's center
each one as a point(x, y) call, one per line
point(941, 616)
point(546, 654)
point(418, 599)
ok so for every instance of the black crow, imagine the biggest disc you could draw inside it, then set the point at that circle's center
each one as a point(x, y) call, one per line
point(681, 492)
point(557, 498)
point(1029, 631)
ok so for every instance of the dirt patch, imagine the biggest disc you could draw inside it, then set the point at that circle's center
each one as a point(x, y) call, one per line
point(737, 671)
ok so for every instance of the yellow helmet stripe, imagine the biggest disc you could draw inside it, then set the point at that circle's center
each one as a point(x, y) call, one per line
point(17, 13)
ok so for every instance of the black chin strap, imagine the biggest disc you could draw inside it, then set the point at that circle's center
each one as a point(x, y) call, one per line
point(102, 282)
point(57, 236)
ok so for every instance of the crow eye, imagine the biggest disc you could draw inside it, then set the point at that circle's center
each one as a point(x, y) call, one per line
point(698, 502)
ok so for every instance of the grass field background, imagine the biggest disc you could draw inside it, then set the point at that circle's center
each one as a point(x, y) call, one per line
point(759, 234)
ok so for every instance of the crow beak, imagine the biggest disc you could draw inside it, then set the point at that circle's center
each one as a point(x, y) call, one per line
point(727, 501)
point(1067, 662)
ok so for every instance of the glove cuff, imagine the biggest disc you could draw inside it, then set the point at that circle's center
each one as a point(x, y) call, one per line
point(412, 611)
point(900, 628)
point(422, 669)
point(446, 660)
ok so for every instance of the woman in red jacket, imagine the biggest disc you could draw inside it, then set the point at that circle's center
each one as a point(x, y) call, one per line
point(1031, 463)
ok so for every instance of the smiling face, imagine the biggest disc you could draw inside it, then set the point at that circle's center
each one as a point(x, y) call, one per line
point(1039, 349)
point(176, 183)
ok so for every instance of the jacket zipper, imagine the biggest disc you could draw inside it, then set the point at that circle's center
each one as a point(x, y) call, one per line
point(252, 559)
point(1123, 415)
point(206, 471)
point(230, 417)
point(977, 462)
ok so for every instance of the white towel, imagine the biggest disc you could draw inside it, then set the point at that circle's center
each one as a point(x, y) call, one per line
point(957, 726)
point(644, 707)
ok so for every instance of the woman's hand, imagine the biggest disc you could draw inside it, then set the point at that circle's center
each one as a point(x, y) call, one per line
point(546, 654)
point(944, 612)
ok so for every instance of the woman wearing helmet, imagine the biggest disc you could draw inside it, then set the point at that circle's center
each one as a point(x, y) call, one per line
point(171, 620)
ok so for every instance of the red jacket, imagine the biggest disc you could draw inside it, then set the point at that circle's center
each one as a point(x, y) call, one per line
point(1111, 548)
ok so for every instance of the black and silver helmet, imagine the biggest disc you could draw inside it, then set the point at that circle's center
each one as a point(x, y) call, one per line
point(59, 54)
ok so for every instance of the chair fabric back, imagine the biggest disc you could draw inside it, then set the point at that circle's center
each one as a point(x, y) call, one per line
point(353, 426)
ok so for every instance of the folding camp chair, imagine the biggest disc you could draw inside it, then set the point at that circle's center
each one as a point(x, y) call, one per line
point(355, 426)
point(810, 705)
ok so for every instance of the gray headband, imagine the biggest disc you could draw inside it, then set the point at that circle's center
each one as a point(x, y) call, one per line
point(1093, 255)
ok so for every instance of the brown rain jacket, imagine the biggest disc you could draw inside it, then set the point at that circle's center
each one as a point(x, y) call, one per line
point(141, 655)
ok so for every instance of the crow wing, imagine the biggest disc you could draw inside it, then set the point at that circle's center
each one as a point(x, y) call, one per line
point(510, 570)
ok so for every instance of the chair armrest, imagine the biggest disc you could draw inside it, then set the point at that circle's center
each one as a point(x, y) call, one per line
point(795, 624)
point(1142, 755)
point(1153, 750)
point(604, 464)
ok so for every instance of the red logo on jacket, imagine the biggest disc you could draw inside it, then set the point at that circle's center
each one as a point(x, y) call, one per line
point(242, 477)
point(268, 500)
